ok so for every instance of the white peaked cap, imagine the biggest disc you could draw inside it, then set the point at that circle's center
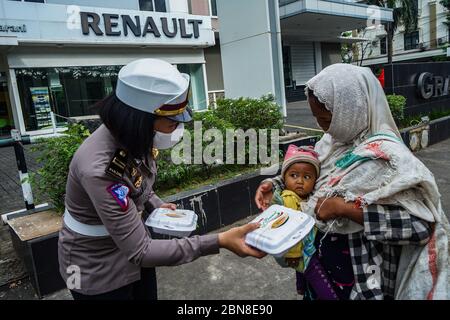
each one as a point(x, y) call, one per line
point(155, 86)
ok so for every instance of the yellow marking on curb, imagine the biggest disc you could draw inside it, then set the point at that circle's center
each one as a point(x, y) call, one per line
point(304, 128)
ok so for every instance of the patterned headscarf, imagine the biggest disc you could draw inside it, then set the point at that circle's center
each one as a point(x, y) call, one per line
point(363, 159)
point(360, 110)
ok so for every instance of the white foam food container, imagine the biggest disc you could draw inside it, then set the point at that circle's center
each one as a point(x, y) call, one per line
point(177, 223)
point(281, 229)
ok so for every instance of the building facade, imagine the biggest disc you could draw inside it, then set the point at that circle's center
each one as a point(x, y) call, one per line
point(311, 34)
point(64, 55)
point(429, 40)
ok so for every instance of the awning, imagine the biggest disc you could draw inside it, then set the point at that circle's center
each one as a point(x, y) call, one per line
point(324, 21)
point(8, 41)
point(351, 39)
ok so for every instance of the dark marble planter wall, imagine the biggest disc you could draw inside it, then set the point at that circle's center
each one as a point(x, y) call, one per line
point(222, 204)
point(404, 81)
point(422, 136)
point(439, 130)
point(40, 257)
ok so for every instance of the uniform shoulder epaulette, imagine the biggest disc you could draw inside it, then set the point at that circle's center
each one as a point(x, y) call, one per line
point(118, 164)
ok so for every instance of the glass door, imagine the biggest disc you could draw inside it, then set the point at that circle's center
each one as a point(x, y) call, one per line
point(6, 118)
point(197, 94)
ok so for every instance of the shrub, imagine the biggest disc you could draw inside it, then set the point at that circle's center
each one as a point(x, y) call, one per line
point(211, 119)
point(55, 155)
point(397, 104)
point(171, 175)
point(246, 113)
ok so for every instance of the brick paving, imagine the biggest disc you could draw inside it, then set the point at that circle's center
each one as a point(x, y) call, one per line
point(11, 198)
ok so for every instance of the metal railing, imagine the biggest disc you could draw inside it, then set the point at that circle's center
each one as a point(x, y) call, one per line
point(18, 141)
point(286, 2)
point(214, 95)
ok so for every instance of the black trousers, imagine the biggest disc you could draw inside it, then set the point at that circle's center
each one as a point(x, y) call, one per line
point(144, 289)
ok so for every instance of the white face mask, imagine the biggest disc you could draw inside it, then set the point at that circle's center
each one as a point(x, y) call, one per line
point(163, 141)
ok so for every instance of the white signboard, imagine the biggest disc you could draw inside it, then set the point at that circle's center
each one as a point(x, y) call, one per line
point(51, 23)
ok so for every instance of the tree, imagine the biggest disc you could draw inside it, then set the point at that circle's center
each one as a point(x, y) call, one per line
point(405, 13)
point(446, 5)
point(356, 52)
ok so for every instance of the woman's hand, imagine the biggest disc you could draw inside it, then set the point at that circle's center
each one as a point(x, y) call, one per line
point(336, 207)
point(328, 208)
point(234, 240)
point(171, 206)
point(264, 195)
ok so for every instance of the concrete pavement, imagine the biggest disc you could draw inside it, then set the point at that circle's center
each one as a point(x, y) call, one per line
point(226, 276)
point(300, 116)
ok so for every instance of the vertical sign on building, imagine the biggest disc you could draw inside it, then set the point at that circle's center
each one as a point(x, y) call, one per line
point(41, 104)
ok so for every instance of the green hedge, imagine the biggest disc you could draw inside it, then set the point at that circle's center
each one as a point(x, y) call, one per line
point(243, 113)
point(54, 155)
point(246, 113)
point(397, 104)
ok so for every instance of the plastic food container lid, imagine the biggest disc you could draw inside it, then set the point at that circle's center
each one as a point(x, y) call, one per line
point(172, 222)
point(281, 229)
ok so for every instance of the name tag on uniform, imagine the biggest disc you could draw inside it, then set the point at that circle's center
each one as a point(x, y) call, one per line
point(117, 166)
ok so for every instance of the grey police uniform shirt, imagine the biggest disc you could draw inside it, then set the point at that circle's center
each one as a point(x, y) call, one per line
point(108, 263)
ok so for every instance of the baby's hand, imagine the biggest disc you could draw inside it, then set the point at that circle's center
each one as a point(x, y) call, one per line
point(292, 262)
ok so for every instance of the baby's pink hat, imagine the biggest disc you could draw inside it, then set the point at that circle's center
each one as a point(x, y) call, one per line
point(296, 154)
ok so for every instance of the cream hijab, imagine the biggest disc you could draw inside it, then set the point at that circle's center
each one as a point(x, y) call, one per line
point(359, 107)
point(362, 126)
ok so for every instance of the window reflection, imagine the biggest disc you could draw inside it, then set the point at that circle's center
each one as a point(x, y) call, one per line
point(69, 92)
point(72, 91)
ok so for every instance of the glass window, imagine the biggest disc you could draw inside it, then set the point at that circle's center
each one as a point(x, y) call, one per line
point(214, 8)
point(411, 40)
point(73, 91)
point(153, 5)
point(146, 5)
point(160, 5)
point(383, 45)
point(197, 94)
point(68, 92)
point(287, 65)
point(38, 1)
point(6, 118)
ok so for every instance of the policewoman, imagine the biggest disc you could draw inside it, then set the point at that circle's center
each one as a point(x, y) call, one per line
point(105, 250)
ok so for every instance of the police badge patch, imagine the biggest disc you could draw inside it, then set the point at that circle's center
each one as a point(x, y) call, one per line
point(120, 193)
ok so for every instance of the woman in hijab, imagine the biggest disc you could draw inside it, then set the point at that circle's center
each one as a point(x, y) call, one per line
point(383, 233)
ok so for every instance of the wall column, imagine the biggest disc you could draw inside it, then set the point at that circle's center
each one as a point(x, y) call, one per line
point(251, 49)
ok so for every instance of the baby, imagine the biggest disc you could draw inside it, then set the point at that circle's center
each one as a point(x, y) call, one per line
point(300, 170)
